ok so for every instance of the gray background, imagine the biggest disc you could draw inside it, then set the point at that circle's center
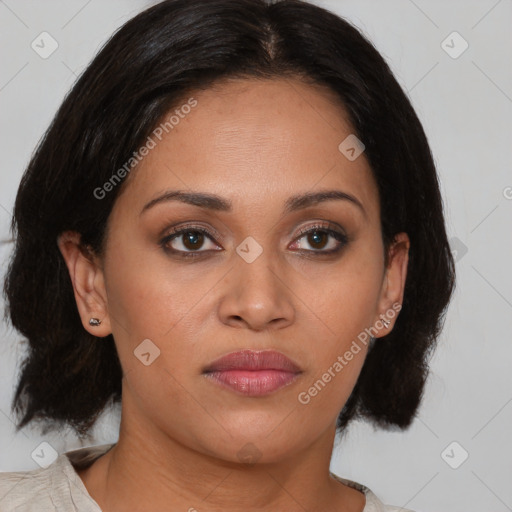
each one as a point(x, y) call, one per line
point(465, 104)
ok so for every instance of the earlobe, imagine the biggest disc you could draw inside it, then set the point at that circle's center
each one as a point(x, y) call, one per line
point(394, 283)
point(88, 284)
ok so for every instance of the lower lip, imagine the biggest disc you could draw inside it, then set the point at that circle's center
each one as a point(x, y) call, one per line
point(253, 382)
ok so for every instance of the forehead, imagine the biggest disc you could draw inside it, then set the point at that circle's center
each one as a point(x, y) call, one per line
point(254, 140)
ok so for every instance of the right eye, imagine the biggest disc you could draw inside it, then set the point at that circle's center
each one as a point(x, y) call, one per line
point(189, 240)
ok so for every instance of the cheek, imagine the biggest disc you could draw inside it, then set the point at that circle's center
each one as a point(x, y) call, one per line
point(148, 295)
point(342, 307)
point(340, 344)
point(150, 298)
point(343, 298)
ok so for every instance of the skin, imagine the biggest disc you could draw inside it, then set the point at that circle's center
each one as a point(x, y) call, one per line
point(255, 143)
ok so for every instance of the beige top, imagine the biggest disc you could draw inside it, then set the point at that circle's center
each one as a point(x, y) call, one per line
point(58, 488)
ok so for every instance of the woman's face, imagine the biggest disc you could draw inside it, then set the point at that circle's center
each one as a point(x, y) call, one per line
point(246, 275)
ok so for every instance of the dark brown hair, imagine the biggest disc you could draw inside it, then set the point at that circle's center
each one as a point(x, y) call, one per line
point(147, 67)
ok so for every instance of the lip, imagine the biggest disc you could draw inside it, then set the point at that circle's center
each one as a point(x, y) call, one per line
point(253, 373)
point(253, 360)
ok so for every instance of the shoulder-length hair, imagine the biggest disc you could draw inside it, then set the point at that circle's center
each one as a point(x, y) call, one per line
point(147, 68)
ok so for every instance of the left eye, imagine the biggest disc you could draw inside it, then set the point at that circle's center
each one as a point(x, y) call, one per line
point(318, 239)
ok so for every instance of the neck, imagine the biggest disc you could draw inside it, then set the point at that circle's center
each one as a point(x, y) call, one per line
point(147, 470)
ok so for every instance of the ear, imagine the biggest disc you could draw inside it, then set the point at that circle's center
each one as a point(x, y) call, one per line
point(88, 283)
point(392, 292)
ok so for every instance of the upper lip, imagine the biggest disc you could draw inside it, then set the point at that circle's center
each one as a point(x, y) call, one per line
point(253, 360)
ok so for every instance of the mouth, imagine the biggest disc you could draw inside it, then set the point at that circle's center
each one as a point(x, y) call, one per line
point(253, 373)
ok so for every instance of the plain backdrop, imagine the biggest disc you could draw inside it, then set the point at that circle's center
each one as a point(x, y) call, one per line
point(457, 455)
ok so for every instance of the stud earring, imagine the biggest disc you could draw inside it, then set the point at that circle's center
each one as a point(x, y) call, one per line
point(94, 322)
point(385, 322)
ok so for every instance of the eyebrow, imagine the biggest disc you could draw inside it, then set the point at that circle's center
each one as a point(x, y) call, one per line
point(217, 203)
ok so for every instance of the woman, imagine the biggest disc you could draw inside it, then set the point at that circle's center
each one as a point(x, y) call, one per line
point(234, 227)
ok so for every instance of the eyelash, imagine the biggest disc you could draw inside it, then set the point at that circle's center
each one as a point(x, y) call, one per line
point(337, 235)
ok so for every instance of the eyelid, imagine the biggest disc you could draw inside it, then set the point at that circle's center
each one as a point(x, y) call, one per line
point(321, 225)
point(184, 227)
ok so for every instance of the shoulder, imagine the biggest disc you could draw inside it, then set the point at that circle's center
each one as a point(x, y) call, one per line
point(56, 488)
point(26, 490)
point(373, 503)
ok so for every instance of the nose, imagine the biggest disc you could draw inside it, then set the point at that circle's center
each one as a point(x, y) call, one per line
point(257, 296)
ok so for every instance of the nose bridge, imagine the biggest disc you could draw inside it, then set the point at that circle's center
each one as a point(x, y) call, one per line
point(257, 273)
point(260, 276)
point(256, 294)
